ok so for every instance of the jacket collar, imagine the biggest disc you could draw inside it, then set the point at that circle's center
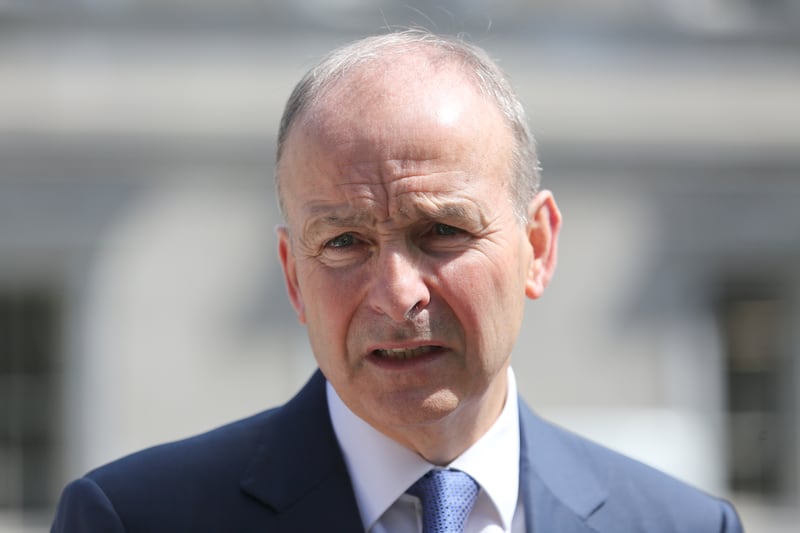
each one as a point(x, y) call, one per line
point(560, 488)
point(298, 470)
point(300, 473)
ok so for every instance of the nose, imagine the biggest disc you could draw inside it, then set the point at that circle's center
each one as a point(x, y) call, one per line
point(399, 289)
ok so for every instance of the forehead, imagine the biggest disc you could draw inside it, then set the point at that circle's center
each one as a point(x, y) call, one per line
point(408, 127)
point(398, 93)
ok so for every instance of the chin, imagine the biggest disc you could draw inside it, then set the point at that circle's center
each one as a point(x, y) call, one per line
point(420, 411)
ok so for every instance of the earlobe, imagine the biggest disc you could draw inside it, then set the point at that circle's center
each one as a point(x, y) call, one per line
point(544, 223)
point(290, 272)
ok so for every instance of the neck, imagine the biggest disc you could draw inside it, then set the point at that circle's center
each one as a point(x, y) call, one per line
point(442, 441)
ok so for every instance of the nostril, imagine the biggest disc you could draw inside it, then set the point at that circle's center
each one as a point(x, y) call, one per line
point(415, 309)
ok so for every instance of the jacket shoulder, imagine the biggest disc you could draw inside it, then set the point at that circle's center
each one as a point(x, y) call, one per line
point(264, 472)
point(625, 494)
point(223, 450)
point(654, 500)
point(166, 487)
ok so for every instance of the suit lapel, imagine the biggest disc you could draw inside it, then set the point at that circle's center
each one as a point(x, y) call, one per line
point(559, 487)
point(300, 474)
point(299, 471)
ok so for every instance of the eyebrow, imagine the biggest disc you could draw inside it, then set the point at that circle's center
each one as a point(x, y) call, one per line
point(445, 212)
point(347, 217)
point(336, 217)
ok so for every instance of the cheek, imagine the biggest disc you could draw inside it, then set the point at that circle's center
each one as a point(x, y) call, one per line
point(487, 275)
point(331, 298)
point(487, 295)
point(470, 289)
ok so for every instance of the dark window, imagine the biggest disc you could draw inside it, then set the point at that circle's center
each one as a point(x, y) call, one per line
point(754, 319)
point(28, 398)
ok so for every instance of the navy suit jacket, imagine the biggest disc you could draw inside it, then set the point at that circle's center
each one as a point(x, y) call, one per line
point(283, 471)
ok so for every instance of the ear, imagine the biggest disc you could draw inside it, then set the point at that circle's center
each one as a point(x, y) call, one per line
point(290, 272)
point(544, 223)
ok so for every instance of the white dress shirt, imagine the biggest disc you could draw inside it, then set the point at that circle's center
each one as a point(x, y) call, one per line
point(382, 470)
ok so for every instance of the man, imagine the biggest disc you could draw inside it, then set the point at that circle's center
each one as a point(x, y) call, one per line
point(415, 228)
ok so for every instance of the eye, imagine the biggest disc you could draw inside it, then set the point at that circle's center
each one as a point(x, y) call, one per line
point(344, 250)
point(439, 237)
point(444, 230)
point(341, 241)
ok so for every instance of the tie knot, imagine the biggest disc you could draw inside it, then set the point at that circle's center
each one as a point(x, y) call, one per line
point(447, 497)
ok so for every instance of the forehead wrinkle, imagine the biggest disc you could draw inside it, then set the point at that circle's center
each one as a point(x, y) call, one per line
point(433, 208)
point(337, 217)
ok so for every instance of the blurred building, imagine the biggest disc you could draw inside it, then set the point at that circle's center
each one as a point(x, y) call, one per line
point(140, 294)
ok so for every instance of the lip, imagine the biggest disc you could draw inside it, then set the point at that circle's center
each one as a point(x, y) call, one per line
point(405, 355)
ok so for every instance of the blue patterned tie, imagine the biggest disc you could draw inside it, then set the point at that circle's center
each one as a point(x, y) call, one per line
point(447, 497)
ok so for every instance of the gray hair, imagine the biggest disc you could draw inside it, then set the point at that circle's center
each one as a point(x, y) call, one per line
point(489, 79)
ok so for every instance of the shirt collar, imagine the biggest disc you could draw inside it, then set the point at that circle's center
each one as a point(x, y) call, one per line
point(493, 461)
point(381, 470)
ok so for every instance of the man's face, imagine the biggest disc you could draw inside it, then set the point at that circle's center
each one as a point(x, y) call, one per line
point(402, 253)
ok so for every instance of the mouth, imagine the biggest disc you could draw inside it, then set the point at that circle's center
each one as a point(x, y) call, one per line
point(401, 354)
